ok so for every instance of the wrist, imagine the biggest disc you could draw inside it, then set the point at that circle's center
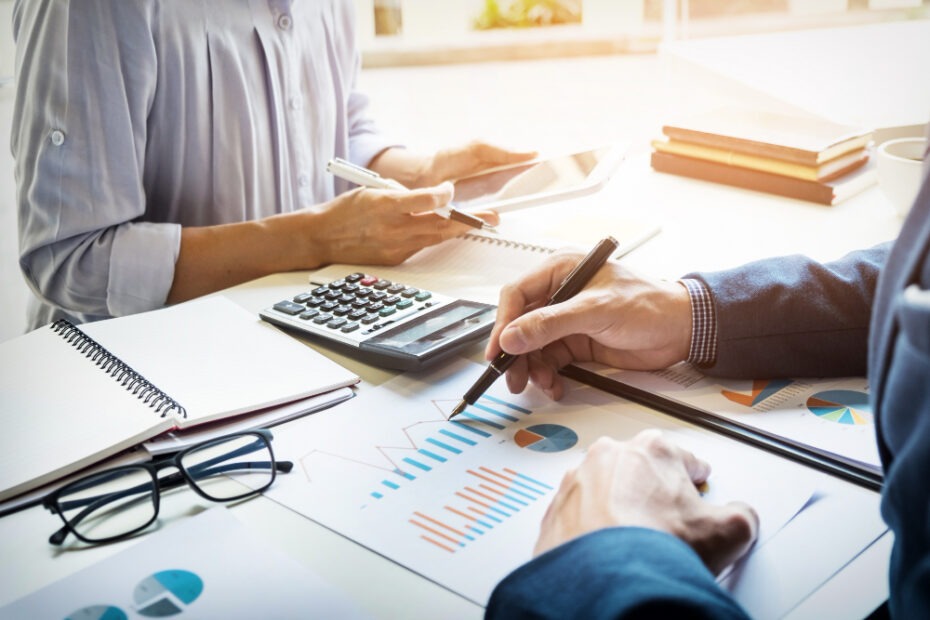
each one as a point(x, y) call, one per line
point(297, 240)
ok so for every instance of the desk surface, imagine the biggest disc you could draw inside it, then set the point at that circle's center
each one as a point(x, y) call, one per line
point(735, 226)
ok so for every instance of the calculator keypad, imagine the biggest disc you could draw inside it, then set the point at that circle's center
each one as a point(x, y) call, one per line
point(353, 308)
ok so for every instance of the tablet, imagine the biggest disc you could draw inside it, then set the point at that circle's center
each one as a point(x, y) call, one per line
point(540, 181)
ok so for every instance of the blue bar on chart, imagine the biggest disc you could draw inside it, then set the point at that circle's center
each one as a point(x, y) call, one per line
point(455, 436)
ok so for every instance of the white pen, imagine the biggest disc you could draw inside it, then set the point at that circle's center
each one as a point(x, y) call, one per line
point(368, 178)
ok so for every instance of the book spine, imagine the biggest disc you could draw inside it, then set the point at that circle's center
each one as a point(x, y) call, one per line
point(736, 158)
point(761, 149)
point(743, 177)
point(121, 372)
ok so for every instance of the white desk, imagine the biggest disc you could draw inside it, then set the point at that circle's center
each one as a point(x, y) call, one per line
point(705, 227)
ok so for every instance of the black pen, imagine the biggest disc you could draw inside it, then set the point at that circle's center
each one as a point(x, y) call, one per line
point(571, 285)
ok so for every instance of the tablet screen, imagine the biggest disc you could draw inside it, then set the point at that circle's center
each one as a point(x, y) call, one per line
point(547, 176)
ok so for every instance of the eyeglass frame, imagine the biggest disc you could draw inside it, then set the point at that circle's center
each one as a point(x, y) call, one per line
point(51, 501)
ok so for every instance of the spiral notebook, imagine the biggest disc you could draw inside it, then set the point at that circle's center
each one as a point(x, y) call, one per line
point(71, 396)
point(476, 265)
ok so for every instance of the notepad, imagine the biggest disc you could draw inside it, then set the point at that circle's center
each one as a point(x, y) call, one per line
point(72, 395)
point(476, 265)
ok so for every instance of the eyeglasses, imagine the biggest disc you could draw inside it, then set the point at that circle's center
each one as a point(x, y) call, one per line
point(119, 502)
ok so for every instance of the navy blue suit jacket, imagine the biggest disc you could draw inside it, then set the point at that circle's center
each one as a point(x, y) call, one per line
point(869, 311)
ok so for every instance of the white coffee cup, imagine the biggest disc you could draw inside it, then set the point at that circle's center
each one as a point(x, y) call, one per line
point(900, 171)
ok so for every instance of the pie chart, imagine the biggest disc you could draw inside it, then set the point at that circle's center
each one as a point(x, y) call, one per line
point(546, 438)
point(98, 612)
point(166, 593)
point(841, 406)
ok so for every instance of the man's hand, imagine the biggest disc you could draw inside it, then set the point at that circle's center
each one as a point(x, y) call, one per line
point(619, 319)
point(647, 482)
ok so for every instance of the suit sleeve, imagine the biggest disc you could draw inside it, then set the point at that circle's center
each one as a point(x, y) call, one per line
point(793, 316)
point(614, 573)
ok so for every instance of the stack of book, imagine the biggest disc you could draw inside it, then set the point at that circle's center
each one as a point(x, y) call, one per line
point(798, 157)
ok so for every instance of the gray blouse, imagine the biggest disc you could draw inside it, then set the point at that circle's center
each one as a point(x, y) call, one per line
point(134, 118)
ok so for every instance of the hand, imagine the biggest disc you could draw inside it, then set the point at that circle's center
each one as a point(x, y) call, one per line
point(470, 159)
point(415, 170)
point(382, 227)
point(619, 319)
point(647, 482)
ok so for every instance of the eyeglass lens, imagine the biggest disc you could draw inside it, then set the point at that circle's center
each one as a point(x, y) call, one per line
point(110, 503)
point(245, 457)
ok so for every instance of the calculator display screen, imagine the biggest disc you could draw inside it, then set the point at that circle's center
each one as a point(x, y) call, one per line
point(435, 329)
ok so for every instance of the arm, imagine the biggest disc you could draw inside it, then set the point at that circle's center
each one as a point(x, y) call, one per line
point(614, 573)
point(795, 316)
point(78, 134)
point(788, 316)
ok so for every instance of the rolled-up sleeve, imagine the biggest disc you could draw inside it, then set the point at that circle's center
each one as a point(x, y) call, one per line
point(85, 82)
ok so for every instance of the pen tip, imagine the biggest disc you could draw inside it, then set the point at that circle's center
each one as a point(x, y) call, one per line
point(488, 227)
point(459, 408)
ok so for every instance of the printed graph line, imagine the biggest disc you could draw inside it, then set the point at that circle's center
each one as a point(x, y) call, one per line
point(451, 438)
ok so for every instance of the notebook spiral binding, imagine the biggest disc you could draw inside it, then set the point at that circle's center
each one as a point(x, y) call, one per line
point(134, 383)
point(522, 245)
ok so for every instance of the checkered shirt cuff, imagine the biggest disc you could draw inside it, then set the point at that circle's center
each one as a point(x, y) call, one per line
point(703, 324)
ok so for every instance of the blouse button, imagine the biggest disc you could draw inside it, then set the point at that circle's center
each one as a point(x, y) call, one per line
point(303, 179)
point(285, 21)
point(58, 137)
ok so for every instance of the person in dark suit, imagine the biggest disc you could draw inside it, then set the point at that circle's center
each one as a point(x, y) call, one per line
point(627, 533)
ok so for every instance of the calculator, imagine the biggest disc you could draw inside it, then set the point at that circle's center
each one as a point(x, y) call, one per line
point(384, 323)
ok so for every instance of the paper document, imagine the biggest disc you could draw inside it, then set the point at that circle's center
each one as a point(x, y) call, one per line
point(460, 501)
point(209, 566)
point(828, 416)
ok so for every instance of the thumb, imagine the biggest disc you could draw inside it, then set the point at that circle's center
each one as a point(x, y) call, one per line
point(735, 527)
point(536, 329)
point(425, 198)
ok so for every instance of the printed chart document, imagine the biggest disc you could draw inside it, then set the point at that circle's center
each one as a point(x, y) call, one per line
point(460, 501)
point(209, 566)
point(71, 396)
point(829, 417)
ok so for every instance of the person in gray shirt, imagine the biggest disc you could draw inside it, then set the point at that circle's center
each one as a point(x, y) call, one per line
point(165, 150)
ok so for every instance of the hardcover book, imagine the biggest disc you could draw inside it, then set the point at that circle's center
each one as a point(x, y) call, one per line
point(821, 192)
point(802, 139)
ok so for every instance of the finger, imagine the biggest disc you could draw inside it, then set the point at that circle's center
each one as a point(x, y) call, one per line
point(735, 527)
point(416, 200)
point(531, 290)
point(538, 328)
point(491, 217)
point(517, 375)
point(495, 155)
point(544, 373)
point(660, 446)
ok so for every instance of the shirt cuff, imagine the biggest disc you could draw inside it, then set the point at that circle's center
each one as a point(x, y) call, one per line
point(703, 351)
point(142, 263)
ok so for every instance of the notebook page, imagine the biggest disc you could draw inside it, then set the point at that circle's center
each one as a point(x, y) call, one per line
point(60, 412)
point(217, 359)
point(476, 265)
